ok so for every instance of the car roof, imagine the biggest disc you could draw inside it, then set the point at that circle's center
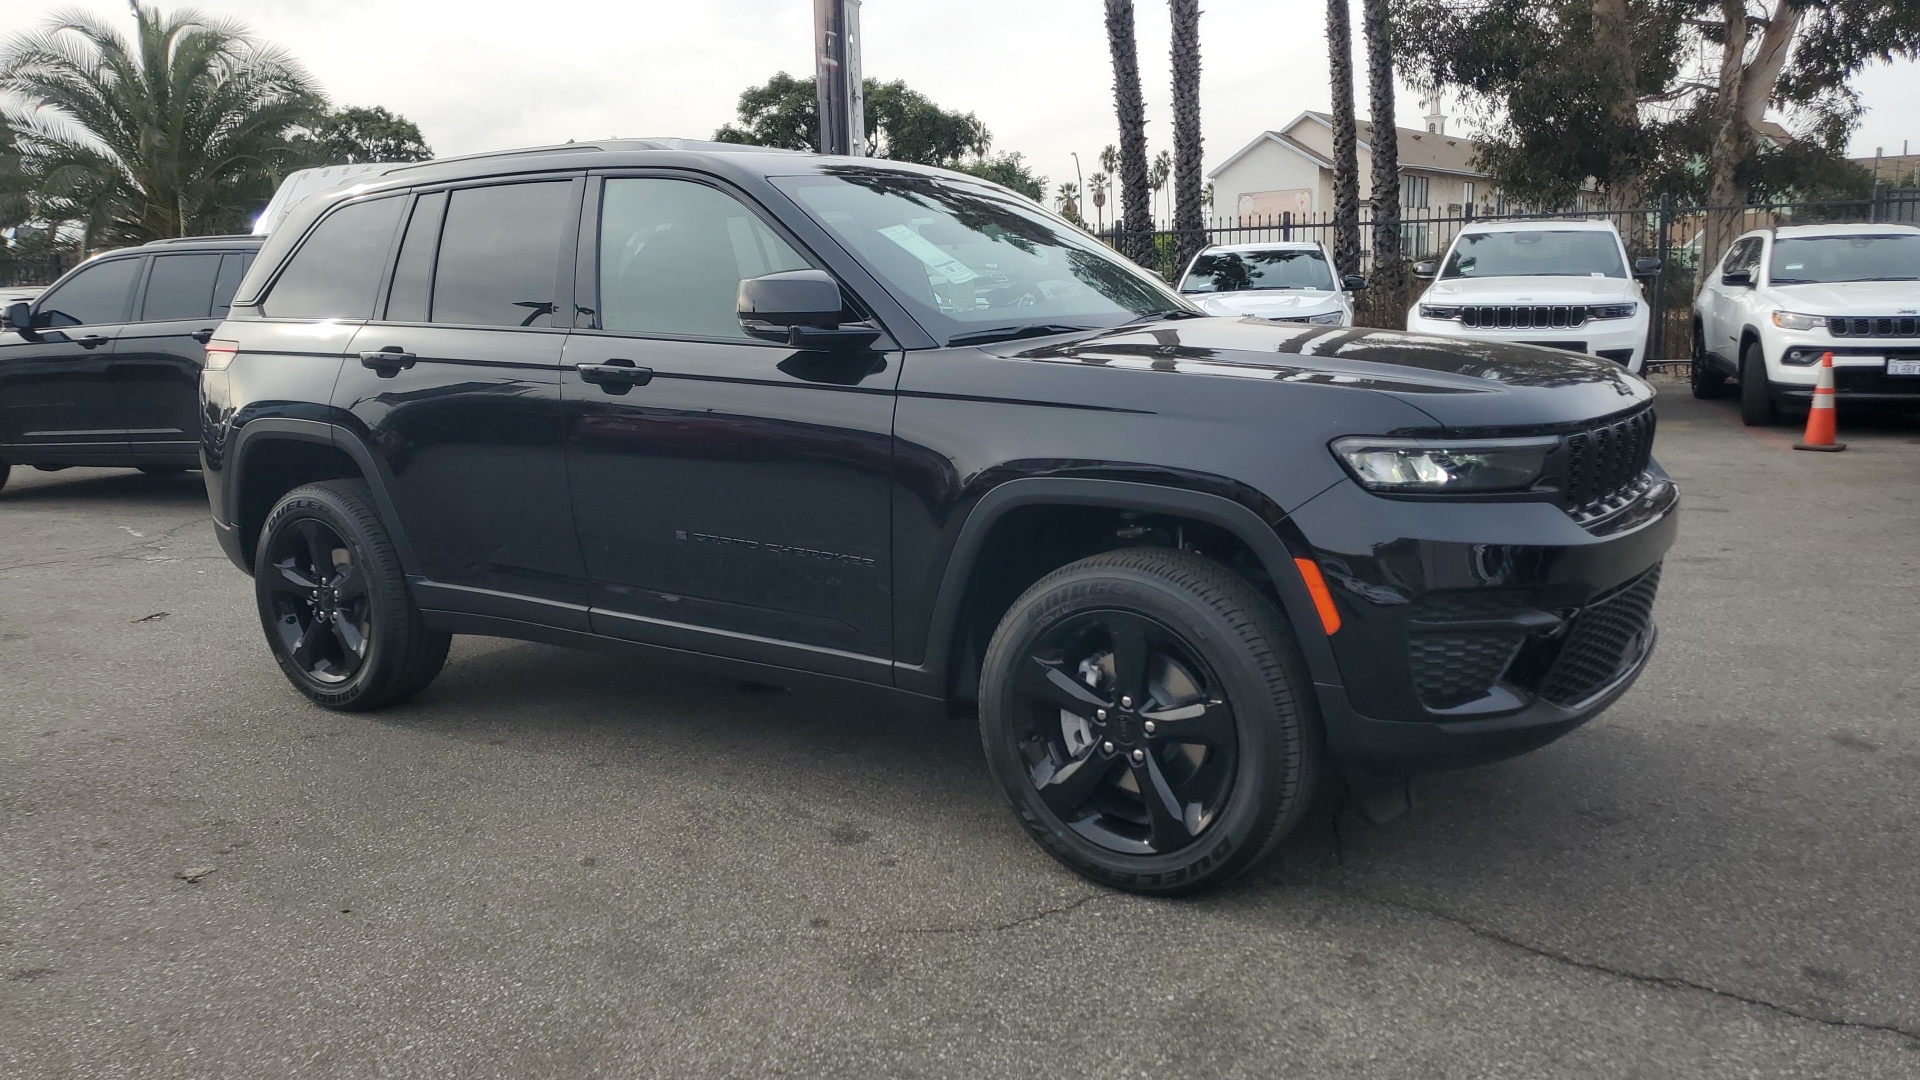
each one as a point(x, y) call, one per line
point(1542, 225)
point(1848, 229)
point(202, 243)
point(1266, 245)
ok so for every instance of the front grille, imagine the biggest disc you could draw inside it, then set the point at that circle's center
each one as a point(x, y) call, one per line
point(1607, 464)
point(1881, 326)
point(1524, 317)
point(1455, 667)
point(1604, 638)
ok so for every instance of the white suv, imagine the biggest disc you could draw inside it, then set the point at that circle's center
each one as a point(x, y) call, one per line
point(1280, 281)
point(1562, 284)
point(1783, 296)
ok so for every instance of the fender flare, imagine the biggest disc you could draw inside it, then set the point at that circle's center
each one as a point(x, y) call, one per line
point(1274, 544)
point(288, 429)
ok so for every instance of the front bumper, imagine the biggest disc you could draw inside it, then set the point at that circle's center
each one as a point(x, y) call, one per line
point(1475, 631)
point(1624, 341)
point(1859, 371)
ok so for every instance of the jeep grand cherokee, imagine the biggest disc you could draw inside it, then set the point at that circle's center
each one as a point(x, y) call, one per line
point(893, 427)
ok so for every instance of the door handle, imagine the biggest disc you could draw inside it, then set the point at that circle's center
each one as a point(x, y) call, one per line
point(615, 376)
point(387, 362)
point(92, 341)
point(202, 336)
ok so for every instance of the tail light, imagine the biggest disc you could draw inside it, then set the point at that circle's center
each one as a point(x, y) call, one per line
point(220, 354)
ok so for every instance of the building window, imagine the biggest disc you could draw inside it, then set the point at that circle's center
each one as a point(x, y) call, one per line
point(1413, 192)
point(1466, 195)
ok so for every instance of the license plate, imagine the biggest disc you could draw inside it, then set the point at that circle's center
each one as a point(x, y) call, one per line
point(1903, 367)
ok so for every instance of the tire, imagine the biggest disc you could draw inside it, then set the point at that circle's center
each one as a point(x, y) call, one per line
point(6, 469)
point(1708, 382)
point(345, 634)
point(1756, 390)
point(163, 470)
point(1053, 718)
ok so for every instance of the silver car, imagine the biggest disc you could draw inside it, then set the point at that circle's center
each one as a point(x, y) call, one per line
point(1280, 281)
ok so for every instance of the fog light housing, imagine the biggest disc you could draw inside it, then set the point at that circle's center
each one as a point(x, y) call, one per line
point(1802, 357)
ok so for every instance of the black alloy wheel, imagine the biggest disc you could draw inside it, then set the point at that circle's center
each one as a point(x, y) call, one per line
point(322, 613)
point(1130, 739)
point(1147, 713)
point(334, 602)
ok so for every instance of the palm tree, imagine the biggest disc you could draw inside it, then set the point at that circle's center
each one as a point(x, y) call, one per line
point(1067, 195)
point(1187, 220)
point(1097, 193)
point(1346, 161)
point(1384, 144)
point(1162, 169)
point(1131, 109)
point(1110, 160)
point(180, 132)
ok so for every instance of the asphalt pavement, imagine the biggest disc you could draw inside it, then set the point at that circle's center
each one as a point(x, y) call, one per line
point(559, 864)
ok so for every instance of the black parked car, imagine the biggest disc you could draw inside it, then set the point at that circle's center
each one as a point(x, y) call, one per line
point(103, 368)
point(890, 426)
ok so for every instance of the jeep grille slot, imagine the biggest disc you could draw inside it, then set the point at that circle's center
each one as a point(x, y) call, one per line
point(1524, 317)
point(1607, 464)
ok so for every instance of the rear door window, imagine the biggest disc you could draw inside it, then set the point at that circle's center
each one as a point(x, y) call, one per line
point(412, 290)
point(233, 267)
point(499, 261)
point(337, 270)
point(180, 287)
point(97, 295)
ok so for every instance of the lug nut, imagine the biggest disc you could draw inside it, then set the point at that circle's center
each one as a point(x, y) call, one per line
point(1099, 714)
point(1107, 746)
point(1139, 756)
point(1149, 727)
point(1126, 703)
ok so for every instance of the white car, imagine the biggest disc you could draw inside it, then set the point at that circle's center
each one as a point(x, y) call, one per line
point(1782, 297)
point(1283, 281)
point(1563, 284)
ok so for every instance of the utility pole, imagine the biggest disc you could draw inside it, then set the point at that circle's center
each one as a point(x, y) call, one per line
point(843, 106)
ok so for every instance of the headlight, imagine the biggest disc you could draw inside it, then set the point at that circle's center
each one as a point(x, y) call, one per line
point(1613, 311)
point(1442, 312)
point(1792, 320)
point(1331, 318)
point(1425, 465)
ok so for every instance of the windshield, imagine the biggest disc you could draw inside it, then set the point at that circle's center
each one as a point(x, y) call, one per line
point(1807, 260)
point(1239, 271)
point(964, 259)
point(1535, 253)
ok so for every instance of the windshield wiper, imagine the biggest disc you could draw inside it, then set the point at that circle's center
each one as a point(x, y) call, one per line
point(1170, 313)
point(1008, 333)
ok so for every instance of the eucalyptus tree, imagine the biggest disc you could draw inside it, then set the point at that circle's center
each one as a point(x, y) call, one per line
point(182, 130)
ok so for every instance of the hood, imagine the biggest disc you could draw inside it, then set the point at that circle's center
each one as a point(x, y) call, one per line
point(1531, 290)
point(1852, 298)
point(1268, 303)
point(1461, 384)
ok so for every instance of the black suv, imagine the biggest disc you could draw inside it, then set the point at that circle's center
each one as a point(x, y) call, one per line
point(103, 368)
point(891, 426)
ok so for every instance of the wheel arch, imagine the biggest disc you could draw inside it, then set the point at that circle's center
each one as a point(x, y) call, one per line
point(976, 587)
point(272, 456)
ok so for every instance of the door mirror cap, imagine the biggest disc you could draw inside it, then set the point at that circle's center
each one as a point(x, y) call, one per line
point(18, 317)
point(1737, 277)
point(801, 309)
point(1353, 283)
point(1646, 267)
point(1425, 268)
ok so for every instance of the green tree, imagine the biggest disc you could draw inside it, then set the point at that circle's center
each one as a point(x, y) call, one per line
point(1067, 200)
point(1097, 187)
point(1161, 172)
point(902, 124)
point(354, 135)
point(1130, 109)
point(180, 131)
point(1008, 170)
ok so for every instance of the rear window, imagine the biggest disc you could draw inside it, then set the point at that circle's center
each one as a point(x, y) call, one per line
point(499, 261)
point(337, 269)
point(180, 287)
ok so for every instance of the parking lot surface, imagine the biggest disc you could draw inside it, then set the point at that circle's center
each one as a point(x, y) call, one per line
point(558, 864)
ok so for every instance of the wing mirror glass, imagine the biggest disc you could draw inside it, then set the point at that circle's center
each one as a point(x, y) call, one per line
point(1646, 267)
point(801, 309)
point(1355, 283)
point(1737, 277)
point(1425, 268)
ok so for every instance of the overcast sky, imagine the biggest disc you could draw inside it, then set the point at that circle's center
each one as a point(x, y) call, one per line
point(490, 74)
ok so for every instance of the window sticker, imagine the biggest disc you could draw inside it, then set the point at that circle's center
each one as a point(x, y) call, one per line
point(927, 252)
point(1796, 266)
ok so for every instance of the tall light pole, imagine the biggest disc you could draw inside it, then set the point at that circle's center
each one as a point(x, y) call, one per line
point(1079, 182)
point(843, 109)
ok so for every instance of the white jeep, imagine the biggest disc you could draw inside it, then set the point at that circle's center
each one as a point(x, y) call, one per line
point(1784, 296)
point(1563, 284)
point(1280, 281)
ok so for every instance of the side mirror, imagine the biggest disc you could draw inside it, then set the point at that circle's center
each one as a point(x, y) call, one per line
point(19, 318)
point(1426, 268)
point(800, 309)
point(1737, 277)
point(1355, 283)
point(1646, 267)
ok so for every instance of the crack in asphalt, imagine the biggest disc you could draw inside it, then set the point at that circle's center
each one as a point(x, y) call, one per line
point(150, 543)
point(1667, 982)
point(995, 928)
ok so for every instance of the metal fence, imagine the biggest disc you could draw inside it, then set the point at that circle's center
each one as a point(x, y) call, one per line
point(36, 269)
point(1668, 231)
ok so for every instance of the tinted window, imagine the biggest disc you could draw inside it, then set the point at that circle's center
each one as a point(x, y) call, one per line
point(413, 274)
point(1810, 259)
point(338, 267)
point(499, 261)
point(672, 254)
point(180, 287)
point(1237, 271)
point(1535, 253)
point(233, 267)
point(96, 295)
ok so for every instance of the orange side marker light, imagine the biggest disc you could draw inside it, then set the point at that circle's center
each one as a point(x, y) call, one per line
point(1322, 599)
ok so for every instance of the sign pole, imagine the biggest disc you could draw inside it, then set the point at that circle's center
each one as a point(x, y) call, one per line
point(836, 34)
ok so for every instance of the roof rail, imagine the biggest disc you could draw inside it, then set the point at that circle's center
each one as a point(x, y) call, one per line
point(200, 239)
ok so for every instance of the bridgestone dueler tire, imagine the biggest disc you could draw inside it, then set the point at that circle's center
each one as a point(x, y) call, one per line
point(1756, 390)
point(1244, 638)
point(403, 655)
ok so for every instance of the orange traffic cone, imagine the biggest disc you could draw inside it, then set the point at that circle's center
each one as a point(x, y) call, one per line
point(1820, 431)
